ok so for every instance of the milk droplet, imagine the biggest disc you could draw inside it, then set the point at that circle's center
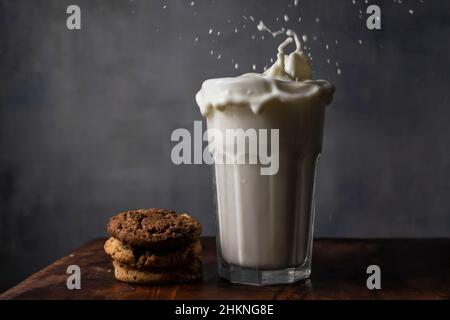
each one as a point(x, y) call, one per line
point(165, 6)
point(210, 31)
point(339, 71)
point(286, 18)
point(219, 56)
point(236, 66)
point(411, 11)
point(254, 67)
point(261, 26)
point(192, 3)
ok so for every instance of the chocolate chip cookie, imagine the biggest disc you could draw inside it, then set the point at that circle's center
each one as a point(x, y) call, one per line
point(125, 273)
point(154, 228)
point(144, 258)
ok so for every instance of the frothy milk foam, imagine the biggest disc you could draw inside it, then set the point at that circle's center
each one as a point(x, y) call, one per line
point(265, 222)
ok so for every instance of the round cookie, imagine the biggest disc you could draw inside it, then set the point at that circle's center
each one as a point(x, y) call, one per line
point(125, 273)
point(154, 228)
point(145, 258)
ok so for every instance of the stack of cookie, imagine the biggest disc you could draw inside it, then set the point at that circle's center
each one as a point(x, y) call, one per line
point(154, 246)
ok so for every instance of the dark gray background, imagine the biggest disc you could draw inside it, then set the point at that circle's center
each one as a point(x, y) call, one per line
point(86, 116)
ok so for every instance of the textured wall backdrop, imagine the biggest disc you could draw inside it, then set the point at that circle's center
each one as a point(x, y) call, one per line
point(86, 116)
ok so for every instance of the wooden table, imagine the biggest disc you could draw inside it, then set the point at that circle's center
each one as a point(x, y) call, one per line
point(411, 269)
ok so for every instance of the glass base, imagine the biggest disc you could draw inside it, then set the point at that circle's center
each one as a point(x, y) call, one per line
point(256, 277)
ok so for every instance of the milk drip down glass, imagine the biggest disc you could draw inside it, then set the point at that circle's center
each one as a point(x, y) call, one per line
point(265, 135)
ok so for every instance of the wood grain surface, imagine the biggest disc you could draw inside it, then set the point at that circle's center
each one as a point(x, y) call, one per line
point(411, 269)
